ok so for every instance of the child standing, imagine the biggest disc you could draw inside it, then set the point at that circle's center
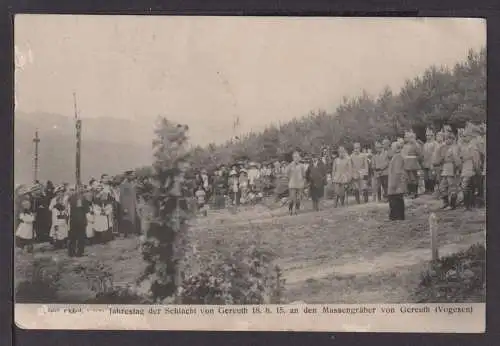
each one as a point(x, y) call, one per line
point(201, 200)
point(24, 231)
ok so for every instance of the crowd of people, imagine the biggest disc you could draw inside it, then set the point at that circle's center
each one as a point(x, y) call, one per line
point(70, 216)
point(450, 164)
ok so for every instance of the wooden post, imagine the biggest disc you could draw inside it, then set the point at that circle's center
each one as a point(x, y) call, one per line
point(433, 228)
point(78, 125)
point(36, 140)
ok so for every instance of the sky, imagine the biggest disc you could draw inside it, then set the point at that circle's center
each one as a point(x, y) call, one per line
point(206, 71)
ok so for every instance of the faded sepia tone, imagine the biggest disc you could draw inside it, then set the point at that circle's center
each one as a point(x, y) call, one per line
point(236, 163)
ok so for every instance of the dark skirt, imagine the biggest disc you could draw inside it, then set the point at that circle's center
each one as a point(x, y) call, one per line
point(317, 192)
point(396, 207)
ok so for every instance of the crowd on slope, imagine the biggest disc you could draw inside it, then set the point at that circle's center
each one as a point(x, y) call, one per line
point(450, 164)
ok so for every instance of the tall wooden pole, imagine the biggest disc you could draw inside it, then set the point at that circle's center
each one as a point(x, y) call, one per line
point(78, 124)
point(36, 140)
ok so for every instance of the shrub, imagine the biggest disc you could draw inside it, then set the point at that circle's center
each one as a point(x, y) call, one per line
point(228, 276)
point(38, 280)
point(460, 277)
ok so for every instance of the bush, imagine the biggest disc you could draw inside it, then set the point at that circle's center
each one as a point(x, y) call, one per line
point(460, 277)
point(225, 276)
point(118, 295)
point(38, 280)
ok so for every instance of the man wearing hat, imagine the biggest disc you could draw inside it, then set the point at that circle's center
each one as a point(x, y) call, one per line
point(79, 206)
point(381, 171)
point(128, 202)
point(253, 175)
point(295, 172)
point(316, 177)
point(360, 173)
point(451, 163)
point(428, 151)
point(411, 154)
point(397, 186)
point(471, 166)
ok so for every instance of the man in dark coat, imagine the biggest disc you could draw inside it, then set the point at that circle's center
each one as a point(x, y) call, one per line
point(316, 177)
point(397, 184)
point(79, 206)
point(128, 201)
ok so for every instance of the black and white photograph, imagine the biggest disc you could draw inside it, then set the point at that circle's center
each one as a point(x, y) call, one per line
point(182, 161)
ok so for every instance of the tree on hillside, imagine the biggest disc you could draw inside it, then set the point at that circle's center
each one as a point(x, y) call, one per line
point(438, 96)
point(164, 234)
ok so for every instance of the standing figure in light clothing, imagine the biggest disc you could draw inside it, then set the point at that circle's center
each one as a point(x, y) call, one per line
point(60, 214)
point(296, 174)
point(381, 171)
point(25, 231)
point(471, 167)
point(341, 175)
point(103, 212)
point(411, 154)
point(427, 154)
point(448, 186)
point(243, 185)
point(359, 173)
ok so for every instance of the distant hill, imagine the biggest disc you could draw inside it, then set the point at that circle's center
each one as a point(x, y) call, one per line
point(108, 145)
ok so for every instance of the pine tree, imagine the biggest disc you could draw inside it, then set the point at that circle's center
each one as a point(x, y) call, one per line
point(164, 233)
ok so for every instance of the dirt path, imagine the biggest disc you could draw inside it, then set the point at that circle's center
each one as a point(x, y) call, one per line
point(385, 262)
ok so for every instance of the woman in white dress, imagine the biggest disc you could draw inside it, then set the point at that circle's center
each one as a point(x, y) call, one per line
point(103, 217)
point(24, 231)
point(89, 230)
point(60, 212)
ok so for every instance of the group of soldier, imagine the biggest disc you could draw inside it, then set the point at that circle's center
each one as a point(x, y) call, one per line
point(450, 164)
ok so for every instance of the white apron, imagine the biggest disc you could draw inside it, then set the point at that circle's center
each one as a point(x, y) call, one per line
point(100, 218)
point(89, 230)
point(59, 230)
point(25, 228)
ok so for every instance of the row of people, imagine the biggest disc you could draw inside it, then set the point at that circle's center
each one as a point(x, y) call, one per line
point(93, 213)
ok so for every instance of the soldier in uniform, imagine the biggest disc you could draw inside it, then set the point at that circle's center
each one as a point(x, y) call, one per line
point(411, 154)
point(341, 175)
point(359, 173)
point(296, 174)
point(428, 151)
point(451, 163)
point(381, 170)
point(471, 167)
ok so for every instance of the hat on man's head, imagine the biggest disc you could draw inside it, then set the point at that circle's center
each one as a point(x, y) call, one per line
point(59, 188)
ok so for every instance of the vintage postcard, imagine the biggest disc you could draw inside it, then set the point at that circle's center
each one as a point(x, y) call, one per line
point(250, 173)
